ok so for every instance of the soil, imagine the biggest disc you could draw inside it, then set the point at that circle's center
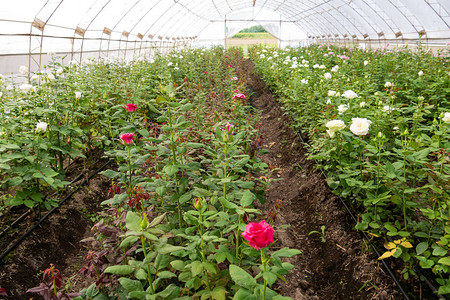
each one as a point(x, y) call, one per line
point(341, 267)
point(57, 241)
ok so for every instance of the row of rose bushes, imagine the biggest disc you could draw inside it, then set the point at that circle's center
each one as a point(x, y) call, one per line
point(64, 113)
point(179, 226)
point(181, 203)
point(377, 122)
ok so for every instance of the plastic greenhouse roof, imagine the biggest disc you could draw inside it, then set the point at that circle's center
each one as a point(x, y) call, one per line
point(37, 26)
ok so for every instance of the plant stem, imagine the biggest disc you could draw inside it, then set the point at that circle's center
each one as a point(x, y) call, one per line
point(264, 263)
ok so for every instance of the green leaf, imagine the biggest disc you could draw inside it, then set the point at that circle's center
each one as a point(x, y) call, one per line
point(28, 203)
point(241, 277)
point(166, 274)
point(171, 170)
point(219, 293)
point(5, 167)
point(129, 241)
point(196, 267)
point(133, 221)
point(421, 248)
point(247, 198)
point(177, 265)
point(170, 290)
point(438, 251)
point(131, 285)
point(168, 249)
point(140, 274)
point(286, 252)
point(160, 99)
point(195, 145)
point(120, 270)
point(157, 220)
point(244, 294)
point(49, 172)
point(270, 277)
point(110, 174)
point(445, 261)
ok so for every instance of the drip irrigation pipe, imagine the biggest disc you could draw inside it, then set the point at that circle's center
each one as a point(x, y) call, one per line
point(29, 210)
point(365, 235)
point(4, 254)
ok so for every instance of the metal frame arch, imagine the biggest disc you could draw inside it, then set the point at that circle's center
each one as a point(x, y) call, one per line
point(384, 19)
point(328, 10)
point(407, 14)
point(438, 14)
point(327, 21)
point(177, 24)
point(158, 30)
point(42, 35)
point(156, 21)
point(346, 19)
point(90, 23)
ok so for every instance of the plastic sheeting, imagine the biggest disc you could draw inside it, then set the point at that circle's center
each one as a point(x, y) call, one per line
point(137, 26)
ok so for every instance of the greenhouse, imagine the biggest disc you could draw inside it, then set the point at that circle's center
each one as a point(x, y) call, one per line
point(224, 149)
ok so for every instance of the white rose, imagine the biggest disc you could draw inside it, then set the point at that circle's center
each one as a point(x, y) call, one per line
point(77, 95)
point(327, 75)
point(349, 94)
point(329, 101)
point(170, 63)
point(420, 73)
point(316, 66)
point(342, 108)
point(9, 87)
point(388, 84)
point(331, 93)
point(360, 126)
point(41, 126)
point(362, 104)
point(446, 117)
point(1, 94)
point(322, 67)
point(35, 77)
point(23, 70)
point(387, 108)
point(304, 81)
point(25, 87)
point(333, 126)
point(366, 62)
point(59, 71)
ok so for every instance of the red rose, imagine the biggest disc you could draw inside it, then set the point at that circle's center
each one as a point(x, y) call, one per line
point(131, 107)
point(127, 138)
point(259, 235)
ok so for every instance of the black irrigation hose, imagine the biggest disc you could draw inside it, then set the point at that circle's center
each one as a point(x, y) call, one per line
point(4, 254)
point(29, 210)
point(365, 235)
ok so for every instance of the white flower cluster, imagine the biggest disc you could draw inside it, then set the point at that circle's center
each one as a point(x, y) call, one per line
point(360, 126)
point(333, 126)
point(349, 94)
point(41, 126)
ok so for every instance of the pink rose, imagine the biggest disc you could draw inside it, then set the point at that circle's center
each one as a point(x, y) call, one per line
point(239, 96)
point(206, 72)
point(131, 107)
point(259, 235)
point(127, 138)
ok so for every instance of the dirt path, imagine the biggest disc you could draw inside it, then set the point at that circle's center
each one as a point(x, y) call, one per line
point(339, 268)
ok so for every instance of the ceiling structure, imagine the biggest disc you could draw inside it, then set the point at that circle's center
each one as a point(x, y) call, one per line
point(37, 26)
